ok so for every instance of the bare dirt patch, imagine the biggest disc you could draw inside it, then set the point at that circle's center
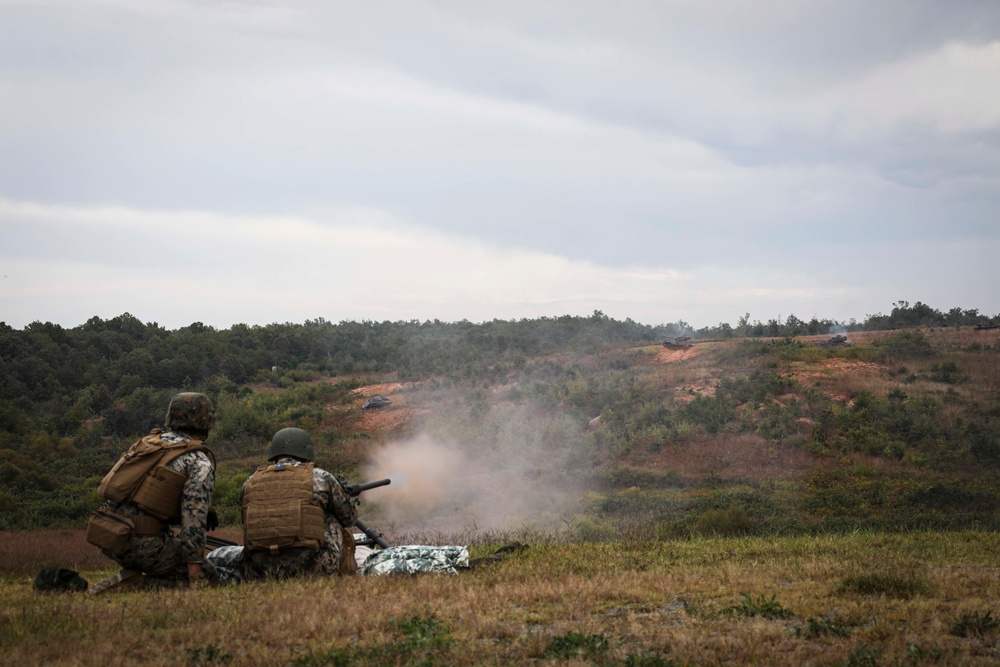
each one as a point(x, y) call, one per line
point(688, 392)
point(836, 377)
point(667, 356)
point(829, 367)
point(742, 458)
point(386, 420)
point(383, 389)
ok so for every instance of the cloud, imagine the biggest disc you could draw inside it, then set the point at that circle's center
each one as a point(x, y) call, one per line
point(457, 160)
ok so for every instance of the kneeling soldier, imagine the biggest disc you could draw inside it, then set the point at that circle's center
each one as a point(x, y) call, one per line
point(165, 479)
point(296, 517)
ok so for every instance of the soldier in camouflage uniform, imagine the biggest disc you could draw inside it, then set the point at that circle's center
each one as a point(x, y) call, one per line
point(322, 513)
point(170, 556)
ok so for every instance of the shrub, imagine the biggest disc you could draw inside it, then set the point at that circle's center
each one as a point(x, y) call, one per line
point(732, 521)
point(946, 372)
point(904, 345)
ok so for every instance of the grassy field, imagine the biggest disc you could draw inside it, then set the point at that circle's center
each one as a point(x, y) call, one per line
point(861, 599)
point(858, 487)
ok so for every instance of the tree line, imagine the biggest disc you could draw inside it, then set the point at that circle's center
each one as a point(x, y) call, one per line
point(71, 398)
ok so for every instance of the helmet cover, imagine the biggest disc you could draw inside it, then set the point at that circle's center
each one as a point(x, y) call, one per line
point(190, 410)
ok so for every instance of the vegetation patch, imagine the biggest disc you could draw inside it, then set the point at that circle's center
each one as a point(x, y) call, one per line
point(891, 584)
point(578, 645)
point(821, 627)
point(728, 522)
point(975, 624)
point(758, 606)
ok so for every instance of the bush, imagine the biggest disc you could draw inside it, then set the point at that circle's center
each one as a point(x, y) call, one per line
point(732, 521)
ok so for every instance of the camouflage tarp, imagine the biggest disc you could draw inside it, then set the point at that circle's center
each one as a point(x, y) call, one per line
point(225, 561)
point(413, 559)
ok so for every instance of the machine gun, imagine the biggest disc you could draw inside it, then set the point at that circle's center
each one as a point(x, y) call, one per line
point(355, 490)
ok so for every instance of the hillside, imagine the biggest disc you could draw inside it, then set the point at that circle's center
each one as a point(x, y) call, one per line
point(582, 426)
point(896, 431)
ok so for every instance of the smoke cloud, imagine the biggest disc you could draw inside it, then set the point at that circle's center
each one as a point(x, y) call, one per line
point(484, 468)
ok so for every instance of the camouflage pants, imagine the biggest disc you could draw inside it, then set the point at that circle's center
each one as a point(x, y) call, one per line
point(157, 556)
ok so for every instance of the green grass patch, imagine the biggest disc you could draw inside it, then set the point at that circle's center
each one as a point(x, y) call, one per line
point(758, 606)
point(891, 584)
point(975, 624)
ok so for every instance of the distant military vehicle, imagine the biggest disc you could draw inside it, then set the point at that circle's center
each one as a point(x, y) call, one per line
point(984, 326)
point(375, 401)
point(677, 342)
point(835, 341)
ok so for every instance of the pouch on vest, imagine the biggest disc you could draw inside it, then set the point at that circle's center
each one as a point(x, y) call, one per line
point(129, 471)
point(159, 493)
point(112, 532)
point(143, 459)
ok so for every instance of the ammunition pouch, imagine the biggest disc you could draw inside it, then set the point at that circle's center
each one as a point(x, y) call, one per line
point(113, 531)
point(110, 531)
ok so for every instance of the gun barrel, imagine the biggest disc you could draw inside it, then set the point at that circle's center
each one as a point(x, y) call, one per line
point(358, 489)
point(371, 533)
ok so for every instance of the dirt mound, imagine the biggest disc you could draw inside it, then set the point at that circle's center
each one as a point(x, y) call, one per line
point(667, 356)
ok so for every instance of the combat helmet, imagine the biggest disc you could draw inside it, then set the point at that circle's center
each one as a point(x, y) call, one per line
point(291, 442)
point(190, 411)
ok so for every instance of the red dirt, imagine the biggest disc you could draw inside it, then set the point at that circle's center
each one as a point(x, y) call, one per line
point(391, 417)
point(667, 356)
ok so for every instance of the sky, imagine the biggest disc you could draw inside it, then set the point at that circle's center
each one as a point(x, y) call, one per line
point(259, 162)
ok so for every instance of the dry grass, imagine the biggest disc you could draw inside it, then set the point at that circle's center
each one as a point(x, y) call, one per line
point(677, 600)
point(738, 458)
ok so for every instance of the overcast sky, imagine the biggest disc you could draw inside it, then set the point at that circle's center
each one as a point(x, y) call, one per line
point(262, 162)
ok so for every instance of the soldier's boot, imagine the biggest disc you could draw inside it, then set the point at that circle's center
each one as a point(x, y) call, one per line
point(124, 580)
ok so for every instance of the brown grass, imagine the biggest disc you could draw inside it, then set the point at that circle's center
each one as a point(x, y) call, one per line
point(670, 598)
point(740, 458)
